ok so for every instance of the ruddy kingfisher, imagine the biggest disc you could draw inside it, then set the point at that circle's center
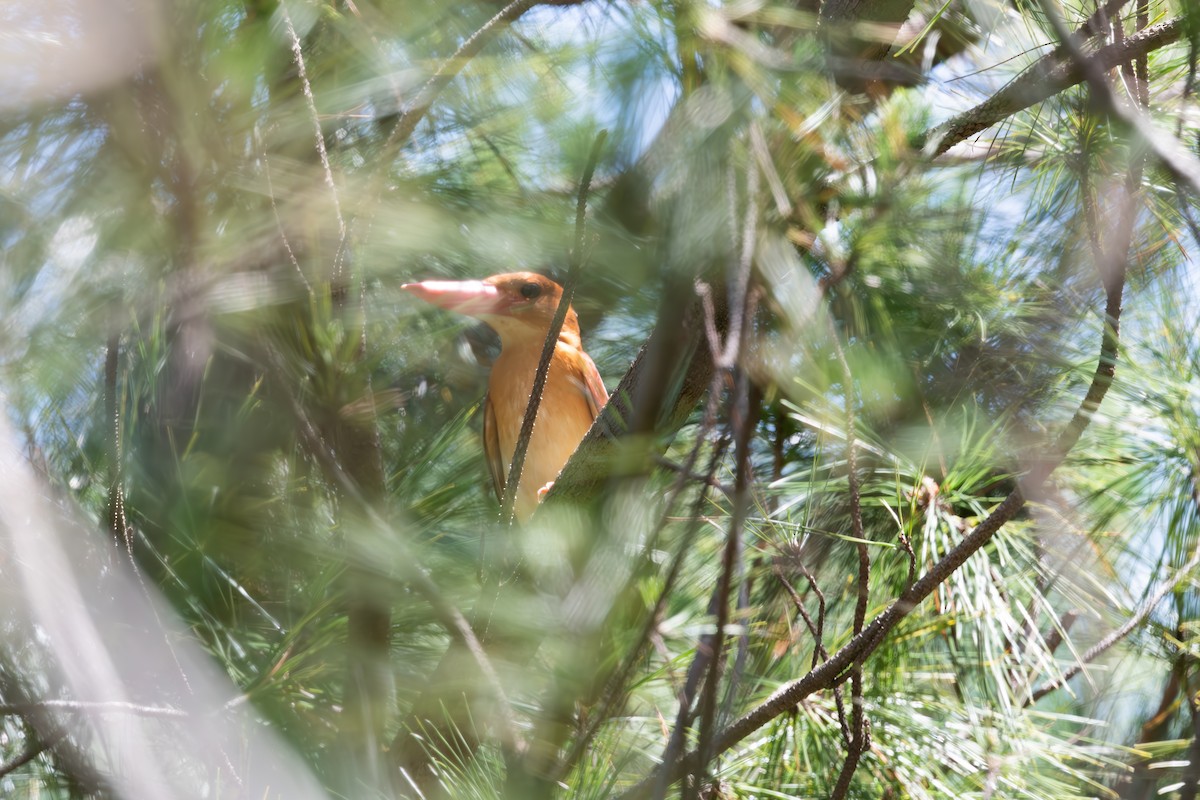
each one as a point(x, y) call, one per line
point(520, 307)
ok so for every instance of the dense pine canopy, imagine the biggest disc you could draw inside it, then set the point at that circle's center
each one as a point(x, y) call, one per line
point(895, 496)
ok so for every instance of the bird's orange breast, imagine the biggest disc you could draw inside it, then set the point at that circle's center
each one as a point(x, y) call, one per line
point(563, 418)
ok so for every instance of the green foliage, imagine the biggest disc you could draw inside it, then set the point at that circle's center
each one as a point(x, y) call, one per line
point(228, 404)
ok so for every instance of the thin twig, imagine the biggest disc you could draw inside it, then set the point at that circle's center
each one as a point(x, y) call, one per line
point(615, 686)
point(758, 144)
point(1120, 633)
point(744, 421)
point(575, 266)
point(723, 356)
point(744, 418)
point(858, 723)
point(1053, 637)
point(283, 237)
point(704, 292)
point(706, 424)
point(306, 87)
point(117, 523)
point(745, 581)
point(818, 632)
point(819, 651)
point(701, 478)
point(739, 284)
point(686, 695)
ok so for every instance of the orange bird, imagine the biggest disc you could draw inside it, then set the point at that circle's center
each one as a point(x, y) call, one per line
point(520, 307)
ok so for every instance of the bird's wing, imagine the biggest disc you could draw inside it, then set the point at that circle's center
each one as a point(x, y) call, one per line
point(595, 392)
point(491, 447)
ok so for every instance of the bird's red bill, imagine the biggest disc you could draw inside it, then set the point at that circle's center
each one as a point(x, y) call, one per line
point(465, 297)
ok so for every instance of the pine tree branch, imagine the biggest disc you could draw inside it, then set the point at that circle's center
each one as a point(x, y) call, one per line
point(1120, 633)
point(1050, 75)
point(743, 414)
point(831, 672)
point(34, 750)
point(1173, 156)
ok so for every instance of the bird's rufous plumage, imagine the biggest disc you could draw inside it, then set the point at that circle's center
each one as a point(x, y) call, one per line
point(520, 307)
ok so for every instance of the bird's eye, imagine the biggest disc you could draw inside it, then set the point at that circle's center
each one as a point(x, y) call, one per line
point(530, 290)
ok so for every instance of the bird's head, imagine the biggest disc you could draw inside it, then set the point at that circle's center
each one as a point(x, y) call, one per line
point(517, 305)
